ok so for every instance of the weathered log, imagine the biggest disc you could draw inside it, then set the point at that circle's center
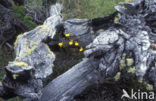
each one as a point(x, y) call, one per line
point(33, 62)
point(63, 88)
point(104, 58)
point(122, 49)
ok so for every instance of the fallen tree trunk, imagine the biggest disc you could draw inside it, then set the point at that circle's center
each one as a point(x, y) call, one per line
point(118, 51)
point(72, 82)
point(33, 62)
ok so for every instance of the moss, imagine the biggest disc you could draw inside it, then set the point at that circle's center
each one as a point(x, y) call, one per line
point(88, 8)
point(20, 64)
point(17, 39)
point(117, 76)
point(29, 23)
point(130, 61)
point(149, 87)
point(132, 70)
point(20, 12)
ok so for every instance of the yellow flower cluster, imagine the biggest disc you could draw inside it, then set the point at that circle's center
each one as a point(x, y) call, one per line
point(71, 42)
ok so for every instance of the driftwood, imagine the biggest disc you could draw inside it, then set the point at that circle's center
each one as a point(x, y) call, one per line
point(123, 48)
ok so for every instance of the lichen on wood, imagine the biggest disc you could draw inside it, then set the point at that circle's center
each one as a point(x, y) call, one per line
point(33, 57)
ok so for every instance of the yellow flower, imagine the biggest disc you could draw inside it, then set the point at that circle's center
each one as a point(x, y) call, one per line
point(76, 43)
point(60, 44)
point(71, 42)
point(67, 35)
point(81, 49)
